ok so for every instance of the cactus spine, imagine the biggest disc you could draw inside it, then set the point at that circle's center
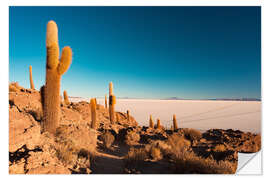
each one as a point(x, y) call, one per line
point(112, 102)
point(106, 103)
point(151, 123)
point(158, 124)
point(93, 114)
point(31, 78)
point(175, 127)
point(54, 70)
point(128, 115)
point(67, 102)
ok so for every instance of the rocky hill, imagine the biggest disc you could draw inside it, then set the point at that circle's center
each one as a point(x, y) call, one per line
point(124, 147)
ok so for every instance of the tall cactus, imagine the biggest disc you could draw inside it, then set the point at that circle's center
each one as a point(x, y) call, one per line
point(66, 100)
point(31, 78)
point(106, 104)
point(54, 70)
point(112, 102)
point(175, 127)
point(128, 115)
point(158, 124)
point(93, 114)
point(151, 122)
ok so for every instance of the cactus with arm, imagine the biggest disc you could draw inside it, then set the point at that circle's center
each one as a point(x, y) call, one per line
point(54, 70)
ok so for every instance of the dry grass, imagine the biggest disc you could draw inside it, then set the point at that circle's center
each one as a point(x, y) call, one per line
point(132, 138)
point(71, 149)
point(189, 163)
point(178, 142)
point(137, 154)
point(66, 151)
point(155, 153)
point(135, 158)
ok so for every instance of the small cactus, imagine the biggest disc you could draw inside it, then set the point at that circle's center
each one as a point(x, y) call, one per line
point(106, 103)
point(54, 70)
point(158, 124)
point(93, 114)
point(128, 115)
point(97, 107)
point(66, 101)
point(151, 123)
point(112, 102)
point(31, 78)
point(175, 127)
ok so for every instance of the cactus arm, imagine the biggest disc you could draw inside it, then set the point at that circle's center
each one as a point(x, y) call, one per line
point(65, 60)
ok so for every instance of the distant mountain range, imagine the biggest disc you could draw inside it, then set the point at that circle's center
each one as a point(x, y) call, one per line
point(217, 99)
point(177, 98)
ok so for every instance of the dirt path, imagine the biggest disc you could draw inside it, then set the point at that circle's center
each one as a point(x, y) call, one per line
point(109, 162)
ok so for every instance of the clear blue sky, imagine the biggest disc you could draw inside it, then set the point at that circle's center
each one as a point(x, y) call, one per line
point(147, 52)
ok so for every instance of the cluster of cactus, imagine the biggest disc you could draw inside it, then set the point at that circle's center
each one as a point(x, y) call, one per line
point(54, 70)
point(112, 102)
point(174, 127)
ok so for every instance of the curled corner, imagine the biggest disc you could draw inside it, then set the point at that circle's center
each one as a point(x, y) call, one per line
point(249, 163)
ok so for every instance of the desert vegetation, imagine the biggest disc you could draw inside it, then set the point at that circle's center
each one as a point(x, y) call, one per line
point(47, 136)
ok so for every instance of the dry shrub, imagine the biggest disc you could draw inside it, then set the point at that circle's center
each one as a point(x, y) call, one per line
point(107, 138)
point(163, 146)
point(155, 153)
point(178, 142)
point(220, 148)
point(66, 151)
point(135, 158)
point(156, 149)
point(137, 154)
point(192, 134)
point(132, 137)
point(70, 142)
point(189, 163)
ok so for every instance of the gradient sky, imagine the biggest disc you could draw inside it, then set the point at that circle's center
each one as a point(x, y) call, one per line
point(147, 52)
